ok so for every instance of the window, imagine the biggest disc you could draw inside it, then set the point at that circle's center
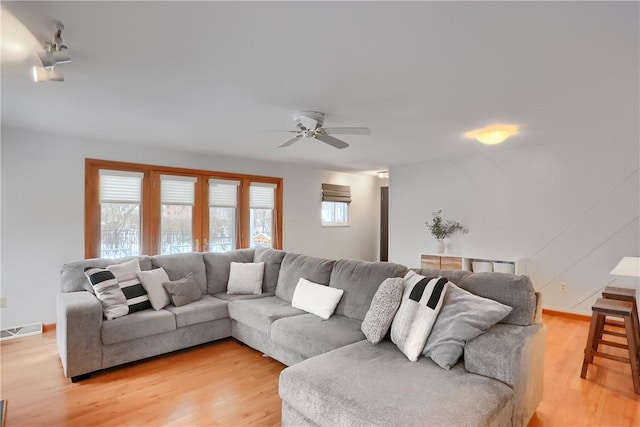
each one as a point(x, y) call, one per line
point(335, 213)
point(177, 198)
point(134, 209)
point(120, 198)
point(335, 204)
point(262, 205)
point(223, 202)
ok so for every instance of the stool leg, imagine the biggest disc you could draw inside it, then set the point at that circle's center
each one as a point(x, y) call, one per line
point(636, 323)
point(592, 340)
point(633, 352)
point(599, 330)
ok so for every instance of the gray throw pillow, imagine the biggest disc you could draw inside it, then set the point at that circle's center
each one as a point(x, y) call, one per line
point(183, 291)
point(383, 308)
point(463, 317)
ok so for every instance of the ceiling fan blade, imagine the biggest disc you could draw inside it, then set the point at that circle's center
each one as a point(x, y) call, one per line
point(348, 131)
point(334, 142)
point(291, 141)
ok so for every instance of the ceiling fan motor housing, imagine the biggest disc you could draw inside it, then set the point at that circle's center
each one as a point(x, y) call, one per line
point(308, 119)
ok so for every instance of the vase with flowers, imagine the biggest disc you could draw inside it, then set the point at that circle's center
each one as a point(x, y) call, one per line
point(441, 229)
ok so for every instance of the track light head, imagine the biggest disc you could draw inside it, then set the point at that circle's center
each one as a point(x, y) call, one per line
point(41, 74)
point(54, 53)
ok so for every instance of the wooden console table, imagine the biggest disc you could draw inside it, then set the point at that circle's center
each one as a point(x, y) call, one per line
point(455, 262)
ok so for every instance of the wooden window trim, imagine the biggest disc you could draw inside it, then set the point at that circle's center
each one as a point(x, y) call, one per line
point(150, 226)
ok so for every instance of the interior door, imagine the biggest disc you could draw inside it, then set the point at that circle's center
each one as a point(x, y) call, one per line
point(384, 223)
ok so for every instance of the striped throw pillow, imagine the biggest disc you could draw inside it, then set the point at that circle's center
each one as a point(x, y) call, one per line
point(106, 288)
point(421, 303)
point(127, 276)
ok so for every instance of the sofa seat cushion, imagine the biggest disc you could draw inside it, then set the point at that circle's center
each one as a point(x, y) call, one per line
point(260, 313)
point(362, 384)
point(137, 325)
point(204, 310)
point(309, 335)
point(233, 297)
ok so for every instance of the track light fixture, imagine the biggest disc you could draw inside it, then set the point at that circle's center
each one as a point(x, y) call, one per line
point(54, 53)
point(42, 74)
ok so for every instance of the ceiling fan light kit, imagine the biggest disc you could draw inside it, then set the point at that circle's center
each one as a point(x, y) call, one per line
point(309, 124)
point(54, 53)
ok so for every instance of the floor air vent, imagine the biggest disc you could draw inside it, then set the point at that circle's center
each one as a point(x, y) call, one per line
point(21, 331)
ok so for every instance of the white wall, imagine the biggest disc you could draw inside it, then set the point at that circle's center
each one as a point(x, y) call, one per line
point(571, 209)
point(42, 211)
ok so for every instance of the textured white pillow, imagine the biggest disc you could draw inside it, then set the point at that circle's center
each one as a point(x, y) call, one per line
point(316, 299)
point(421, 303)
point(152, 281)
point(245, 278)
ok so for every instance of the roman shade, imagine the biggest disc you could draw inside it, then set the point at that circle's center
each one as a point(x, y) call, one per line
point(336, 193)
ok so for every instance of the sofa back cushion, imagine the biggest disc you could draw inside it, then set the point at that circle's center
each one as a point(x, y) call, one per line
point(72, 278)
point(218, 266)
point(296, 266)
point(515, 291)
point(509, 289)
point(179, 265)
point(272, 259)
point(360, 281)
point(454, 276)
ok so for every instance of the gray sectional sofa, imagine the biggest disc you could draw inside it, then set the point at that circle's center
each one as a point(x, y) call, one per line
point(335, 376)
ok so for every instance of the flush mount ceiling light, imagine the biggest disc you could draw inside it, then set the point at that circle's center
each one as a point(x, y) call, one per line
point(493, 134)
point(54, 54)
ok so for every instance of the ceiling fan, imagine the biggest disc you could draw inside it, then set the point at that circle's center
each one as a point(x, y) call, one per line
point(309, 124)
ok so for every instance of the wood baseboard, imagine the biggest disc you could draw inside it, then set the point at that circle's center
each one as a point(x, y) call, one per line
point(46, 327)
point(566, 314)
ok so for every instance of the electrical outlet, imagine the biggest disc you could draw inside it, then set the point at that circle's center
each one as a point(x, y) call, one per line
point(3, 302)
point(563, 287)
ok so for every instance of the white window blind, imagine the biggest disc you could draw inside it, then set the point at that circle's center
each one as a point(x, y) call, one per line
point(262, 195)
point(120, 186)
point(177, 190)
point(223, 193)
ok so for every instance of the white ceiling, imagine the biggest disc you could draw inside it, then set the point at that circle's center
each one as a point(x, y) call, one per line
point(217, 76)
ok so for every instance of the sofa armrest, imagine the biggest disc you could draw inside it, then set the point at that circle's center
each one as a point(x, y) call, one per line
point(513, 355)
point(78, 332)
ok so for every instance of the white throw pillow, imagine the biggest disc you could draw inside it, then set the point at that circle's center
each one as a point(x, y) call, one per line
point(316, 299)
point(152, 281)
point(245, 278)
point(421, 303)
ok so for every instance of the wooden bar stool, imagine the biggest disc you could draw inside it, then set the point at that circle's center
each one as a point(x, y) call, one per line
point(601, 309)
point(629, 295)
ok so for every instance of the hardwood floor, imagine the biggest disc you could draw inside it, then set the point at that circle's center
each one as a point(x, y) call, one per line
point(226, 383)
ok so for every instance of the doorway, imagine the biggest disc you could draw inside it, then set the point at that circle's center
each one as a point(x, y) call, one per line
point(384, 224)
